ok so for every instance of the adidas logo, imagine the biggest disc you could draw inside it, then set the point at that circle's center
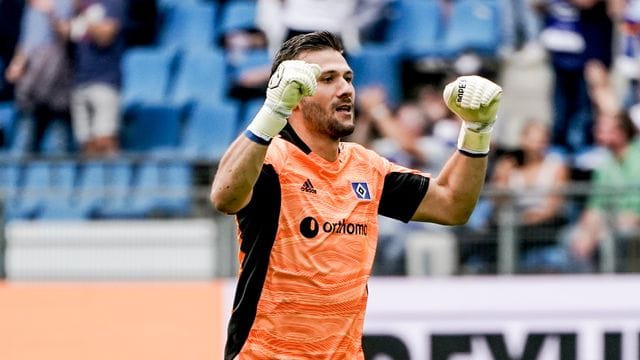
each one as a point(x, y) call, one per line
point(308, 187)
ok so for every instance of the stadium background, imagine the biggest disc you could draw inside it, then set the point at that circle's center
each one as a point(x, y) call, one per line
point(123, 258)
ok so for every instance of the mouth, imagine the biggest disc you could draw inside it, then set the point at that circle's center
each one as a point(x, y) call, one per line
point(344, 108)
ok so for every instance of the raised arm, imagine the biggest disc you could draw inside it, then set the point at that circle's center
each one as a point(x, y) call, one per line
point(453, 194)
point(241, 164)
point(237, 172)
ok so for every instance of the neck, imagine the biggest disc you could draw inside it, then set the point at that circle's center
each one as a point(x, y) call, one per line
point(320, 144)
point(619, 151)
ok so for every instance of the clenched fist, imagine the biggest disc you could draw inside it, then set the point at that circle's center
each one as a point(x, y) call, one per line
point(292, 80)
point(476, 101)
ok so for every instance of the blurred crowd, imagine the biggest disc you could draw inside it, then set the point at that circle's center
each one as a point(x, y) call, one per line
point(61, 63)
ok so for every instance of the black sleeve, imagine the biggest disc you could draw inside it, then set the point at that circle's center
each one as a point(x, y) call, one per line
point(401, 195)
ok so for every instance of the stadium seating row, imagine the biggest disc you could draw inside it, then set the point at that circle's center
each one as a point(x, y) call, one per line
point(200, 132)
point(169, 79)
point(176, 107)
point(195, 24)
point(422, 28)
point(96, 189)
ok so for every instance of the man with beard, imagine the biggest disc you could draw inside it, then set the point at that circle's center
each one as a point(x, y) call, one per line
point(307, 203)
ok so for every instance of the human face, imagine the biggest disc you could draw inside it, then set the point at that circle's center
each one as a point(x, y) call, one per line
point(535, 139)
point(329, 111)
point(609, 134)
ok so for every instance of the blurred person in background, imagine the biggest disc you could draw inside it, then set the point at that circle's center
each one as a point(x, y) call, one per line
point(41, 69)
point(574, 32)
point(628, 55)
point(247, 52)
point(527, 182)
point(613, 209)
point(373, 19)
point(354, 21)
point(535, 178)
point(615, 215)
point(10, 19)
point(402, 136)
point(521, 29)
point(96, 31)
point(420, 133)
point(307, 203)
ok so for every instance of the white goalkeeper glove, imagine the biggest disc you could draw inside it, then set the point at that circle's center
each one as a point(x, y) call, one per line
point(475, 100)
point(292, 80)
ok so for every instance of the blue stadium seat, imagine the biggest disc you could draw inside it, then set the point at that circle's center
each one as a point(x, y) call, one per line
point(61, 202)
point(10, 180)
point(145, 188)
point(58, 138)
point(90, 195)
point(200, 76)
point(152, 127)
point(417, 28)
point(21, 137)
point(177, 178)
point(8, 119)
point(146, 75)
point(35, 188)
point(188, 25)
point(474, 26)
point(118, 180)
point(162, 188)
point(237, 14)
point(366, 65)
point(209, 130)
point(162, 4)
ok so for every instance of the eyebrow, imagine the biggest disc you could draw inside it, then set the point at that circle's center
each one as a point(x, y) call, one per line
point(333, 72)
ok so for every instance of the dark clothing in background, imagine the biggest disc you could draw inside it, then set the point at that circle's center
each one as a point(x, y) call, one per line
point(10, 18)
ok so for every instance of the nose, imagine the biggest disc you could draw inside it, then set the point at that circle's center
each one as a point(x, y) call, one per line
point(345, 88)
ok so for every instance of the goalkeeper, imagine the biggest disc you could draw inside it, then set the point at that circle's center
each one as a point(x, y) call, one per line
point(306, 203)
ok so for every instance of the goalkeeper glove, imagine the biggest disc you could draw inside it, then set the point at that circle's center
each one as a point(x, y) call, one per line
point(292, 80)
point(475, 100)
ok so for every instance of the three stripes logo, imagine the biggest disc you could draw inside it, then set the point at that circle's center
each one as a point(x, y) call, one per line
point(308, 187)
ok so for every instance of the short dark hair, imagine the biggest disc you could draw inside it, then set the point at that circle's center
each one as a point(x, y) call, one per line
point(313, 41)
point(626, 124)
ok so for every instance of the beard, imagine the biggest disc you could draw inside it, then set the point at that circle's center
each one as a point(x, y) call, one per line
point(323, 122)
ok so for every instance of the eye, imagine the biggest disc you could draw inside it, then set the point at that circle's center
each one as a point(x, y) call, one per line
point(327, 79)
point(348, 78)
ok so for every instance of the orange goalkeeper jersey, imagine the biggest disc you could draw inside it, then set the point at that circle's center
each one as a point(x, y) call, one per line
point(307, 243)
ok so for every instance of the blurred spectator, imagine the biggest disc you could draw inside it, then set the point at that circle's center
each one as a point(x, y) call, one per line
point(373, 17)
point(601, 89)
point(527, 182)
point(403, 136)
point(247, 54)
point(575, 31)
point(96, 31)
point(521, 31)
point(10, 17)
point(421, 133)
point(283, 19)
point(442, 125)
point(610, 215)
point(614, 216)
point(401, 129)
point(40, 69)
point(535, 176)
point(628, 52)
